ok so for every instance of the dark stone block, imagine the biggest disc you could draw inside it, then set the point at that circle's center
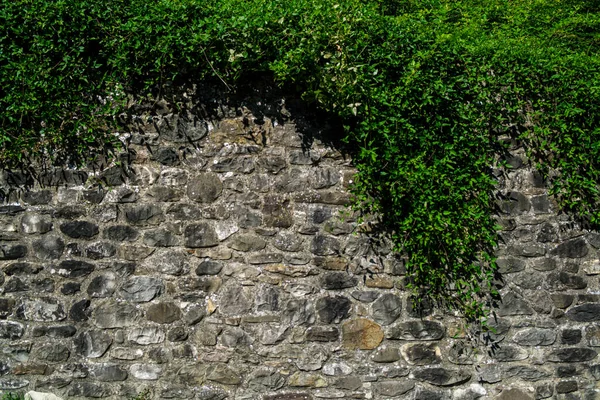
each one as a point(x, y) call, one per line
point(6, 307)
point(584, 313)
point(566, 387)
point(548, 233)
point(527, 373)
point(561, 300)
point(200, 235)
point(566, 371)
point(11, 330)
point(167, 156)
point(442, 376)
point(12, 251)
point(80, 311)
point(164, 194)
point(144, 214)
point(74, 268)
point(572, 354)
point(177, 334)
point(184, 212)
point(163, 313)
point(205, 188)
point(70, 288)
point(15, 285)
point(94, 196)
point(61, 331)
point(570, 336)
point(513, 305)
point(421, 354)
point(419, 307)
point(365, 296)
point(22, 268)
point(322, 245)
point(514, 203)
point(337, 281)
point(386, 309)
point(333, 309)
point(160, 238)
point(48, 247)
point(120, 233)
point(277, 212)
point(88, 389)
point(59, 177)
point(42, 197)
point(509, 265)
point(575, 248)
point(108, 373)
point(11, 210)
point(322, 334)
point(417, 330)
point(209, 267)
point(79, 229)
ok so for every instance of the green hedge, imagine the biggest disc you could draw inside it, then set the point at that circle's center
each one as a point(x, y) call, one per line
point(425, 89)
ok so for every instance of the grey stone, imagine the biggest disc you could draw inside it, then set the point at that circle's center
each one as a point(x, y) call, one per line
point(120, 233)
point(566, 371)
point(527, 373)
point(325, 178)
point(535, 337)
point(244, 165)
point(572, 354)
point(60, 331)
point(74, 268)
point(160, 238)
point(79, 229)
point(570, 336)
point(100, 250)
point(441, 376)
point(34, 223)
point(527, 250)
point(92, 344)
point(514, 203)
point(268, 299)
point(584, 313)
point(288, 396)
point(507, 353)
point(277, 212)
point(298, 312)
point(169, 262)
point(322, 334)
point(566, 387)
point(144, 214)
point(386, 309)
point(42, 197)
point(266, 378)
point(286, 241)
point(11, 330)
point(508, 265)
point(417, 330)
point(337, 280)
point(223, 374)
point(12, 383)
point(247, 242)
point(88, 389)
point(177, 334)
point(200, 235)
point(421, 354)
point(514, 394)
point(544, 391)
point(48, 247)
point(111, 314)
point(194, 314)
point(103, 285)
point(12, 251)
point(22, 268)
point(575, 248)
point(513, 305)
point(544, 264)
point(80, 311)
point(141, 289)
point(6, 307)
point(393, 388)
point(461, 353)
point(204, 188)
point(163, 313)
point(209, 267)
point(184, 212)
point(147, 335)
point(236, 300)
point(42, 310)
point(564, 280)
point(386, 355)
point(548, 233)
point(324, 245)
point(164, 194)
point(333, 309)
point(264, 258)
point(53, 352)
point(108, 373)
point(365, 296)
point(147, 372)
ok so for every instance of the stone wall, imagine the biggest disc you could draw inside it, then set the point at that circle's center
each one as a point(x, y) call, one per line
point(217, 262)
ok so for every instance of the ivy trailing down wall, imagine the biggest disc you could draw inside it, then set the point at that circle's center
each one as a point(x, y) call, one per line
point(430, 93)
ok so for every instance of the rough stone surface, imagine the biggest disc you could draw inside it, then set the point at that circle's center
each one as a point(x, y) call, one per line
point(218, 261)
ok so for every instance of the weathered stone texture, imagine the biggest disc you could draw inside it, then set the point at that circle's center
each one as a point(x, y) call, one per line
point(221, 263)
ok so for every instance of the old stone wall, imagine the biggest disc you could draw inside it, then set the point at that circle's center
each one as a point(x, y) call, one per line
point(219, 261)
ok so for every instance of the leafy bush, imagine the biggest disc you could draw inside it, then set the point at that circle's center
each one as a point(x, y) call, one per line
point(426, 89)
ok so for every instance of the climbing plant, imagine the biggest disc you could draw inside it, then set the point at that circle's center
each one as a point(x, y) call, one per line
point(427, 90)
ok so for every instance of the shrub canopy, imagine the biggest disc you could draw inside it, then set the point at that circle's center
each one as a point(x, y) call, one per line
point(428, 90)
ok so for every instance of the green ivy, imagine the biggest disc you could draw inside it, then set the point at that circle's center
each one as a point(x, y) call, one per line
point(426, 89)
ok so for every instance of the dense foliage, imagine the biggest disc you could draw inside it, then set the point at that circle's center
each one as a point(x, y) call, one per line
point(425, 88)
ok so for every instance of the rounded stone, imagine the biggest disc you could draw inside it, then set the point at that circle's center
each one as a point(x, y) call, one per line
point(163, 313)
point(205, 188)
